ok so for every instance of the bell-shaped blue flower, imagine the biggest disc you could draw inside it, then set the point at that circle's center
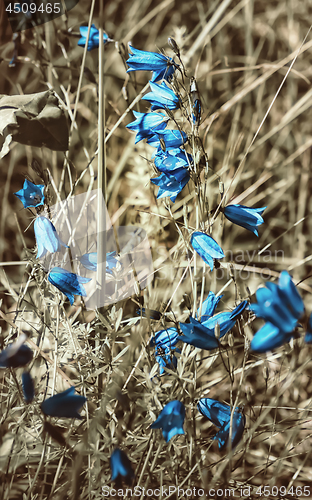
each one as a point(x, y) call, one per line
point(94, 37)
point(209, 306)
point(196, 334)
point(171, 420)
point(164, 342)
point(162, 66)
point(46, 237)
point(206, 247)
point(308, 335)
point(202, 334)
point(28, 387)
point(31, 195)
point(280, 305)
point(168, 338)
point(220, 415)
point(171, 139)
point(225, 320)
point(246, 217)
point(171, 185)
point(89, 261)
point(64, 405)
point(146, 124)
point(68, 283)
point(121, 467)
point(168, 161)
point(16, 354)
point(162, 97)
point(269, 337)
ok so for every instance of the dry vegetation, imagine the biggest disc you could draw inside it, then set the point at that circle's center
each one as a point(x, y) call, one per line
point(240, 60)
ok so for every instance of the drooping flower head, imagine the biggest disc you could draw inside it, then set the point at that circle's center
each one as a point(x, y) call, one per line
point(170, 139)
point(66, 404)
point(162, 97)
point(94, 37)
point(121, 468)
point(171, 420)
point(89, 261)
point(202, 334)
point(249, 218)
point(281, 306)
point(171, 185)
point(206, 247)
point(165, 342)
point(28, 387)
point(162, 66)
point(68, 283)
point(16, 354)
point(220, 415)
point(46, 236)
point(146, 124)
point(31, 195)
point(169, 161)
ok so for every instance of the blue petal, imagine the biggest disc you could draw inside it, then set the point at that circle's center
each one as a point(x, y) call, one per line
point(46, 237)
point(206, 247)
point(31, 195)
point(269, 337)
point(168, 337)
point(120, 465)
point(65, 404)
point(209, 305)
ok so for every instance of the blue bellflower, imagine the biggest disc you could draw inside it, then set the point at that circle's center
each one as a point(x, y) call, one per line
point(94, 37)
point(194, 333)
point(209, 306)
point(46, 237)
point(164, 342)
point(281, 306)
point(171, 420)
point(269, 337)
point(28, 387)
point(171, 185)
point(225, 320)
point(171, 139)
point(202, 334)
point(66, 404)
point(162, 66)
point(246, 217)
point(206, 247)
point(162, 97)
point(168, 338)
point(68, 283)
point(89, 261)
point(169, 161)
point(220, 415)
point(16, 354)
point(146, 124)
point(31, 195)
point(121, 467)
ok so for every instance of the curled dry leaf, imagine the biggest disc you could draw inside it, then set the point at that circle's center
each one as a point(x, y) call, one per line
point(33, 119)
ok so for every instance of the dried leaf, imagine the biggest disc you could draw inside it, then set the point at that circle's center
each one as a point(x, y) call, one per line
point(33, 119)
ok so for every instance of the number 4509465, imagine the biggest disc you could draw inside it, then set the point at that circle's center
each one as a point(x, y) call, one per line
point(274, 491)
point(24, 7)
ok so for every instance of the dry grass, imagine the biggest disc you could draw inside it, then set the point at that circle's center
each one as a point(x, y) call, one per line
point(240, 53)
